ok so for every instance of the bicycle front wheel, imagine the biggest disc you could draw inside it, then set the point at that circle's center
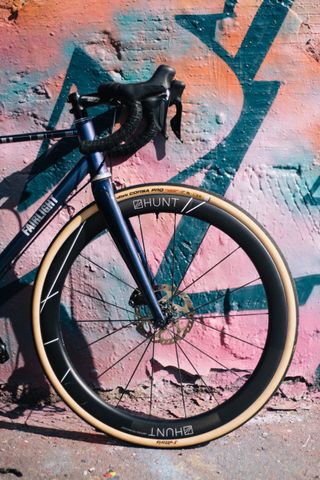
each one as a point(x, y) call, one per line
point(228, 299)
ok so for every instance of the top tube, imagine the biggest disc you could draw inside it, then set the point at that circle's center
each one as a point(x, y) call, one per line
point(27, 137)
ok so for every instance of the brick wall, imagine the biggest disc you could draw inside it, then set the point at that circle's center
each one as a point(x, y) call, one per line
point(251, 125)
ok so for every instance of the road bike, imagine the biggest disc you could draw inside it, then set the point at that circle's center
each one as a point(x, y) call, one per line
point(162, 314)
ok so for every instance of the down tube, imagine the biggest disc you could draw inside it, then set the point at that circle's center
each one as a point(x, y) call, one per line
point(43, 214)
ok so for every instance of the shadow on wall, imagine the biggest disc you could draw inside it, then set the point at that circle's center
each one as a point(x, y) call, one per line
point(220, 164)
point(48, 169)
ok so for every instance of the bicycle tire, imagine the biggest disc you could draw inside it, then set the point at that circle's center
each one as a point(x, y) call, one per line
point(233, 394)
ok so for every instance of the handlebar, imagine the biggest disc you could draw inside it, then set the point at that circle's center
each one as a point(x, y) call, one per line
point(148, 101)
point(114, 140)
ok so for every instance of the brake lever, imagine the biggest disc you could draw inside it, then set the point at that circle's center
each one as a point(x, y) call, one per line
point(160, 104)
point(176, 91)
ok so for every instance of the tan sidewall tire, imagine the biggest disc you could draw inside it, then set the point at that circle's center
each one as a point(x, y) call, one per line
point(269, 245)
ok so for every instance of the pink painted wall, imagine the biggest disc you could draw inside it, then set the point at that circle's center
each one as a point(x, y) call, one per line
point(251, 126)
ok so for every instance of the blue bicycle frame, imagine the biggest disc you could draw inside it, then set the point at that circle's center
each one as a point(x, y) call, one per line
point(103, 192)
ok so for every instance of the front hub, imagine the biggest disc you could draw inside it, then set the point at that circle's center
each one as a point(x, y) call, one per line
point(177, 310)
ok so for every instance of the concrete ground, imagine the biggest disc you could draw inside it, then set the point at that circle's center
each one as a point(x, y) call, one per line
point(50, 442)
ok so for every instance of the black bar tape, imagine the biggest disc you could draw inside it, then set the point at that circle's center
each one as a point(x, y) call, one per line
point(151, 131)
point(112, 141)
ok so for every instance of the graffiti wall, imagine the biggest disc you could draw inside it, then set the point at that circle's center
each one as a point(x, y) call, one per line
point(250, 127)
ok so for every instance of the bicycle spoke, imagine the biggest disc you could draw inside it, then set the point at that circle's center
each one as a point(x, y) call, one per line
point(44, 301)
point(101, 300)
point(106, 271)
point(134, 371)
point(173, 256)
point(250, 299)
point(105, 336)
point(199, 375)
point(187, 226)
point(178, 364)
point(231, 315)
point(221, 296)
point(122, 358)
point(105, 320)
point(205, 273)
point(228, 334)
point(152, 361)
point(206, 354)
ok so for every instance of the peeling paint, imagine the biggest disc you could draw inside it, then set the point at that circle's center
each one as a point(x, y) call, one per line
point(313, 49)
point(15, 6)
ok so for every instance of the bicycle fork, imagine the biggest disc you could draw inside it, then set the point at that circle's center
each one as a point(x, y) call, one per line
point(120, 231)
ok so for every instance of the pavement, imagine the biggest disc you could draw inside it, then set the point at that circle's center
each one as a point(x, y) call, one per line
point(48, 441)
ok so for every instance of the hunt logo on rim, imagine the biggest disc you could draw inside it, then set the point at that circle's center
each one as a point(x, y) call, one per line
point(156, 202)
point(171, 432)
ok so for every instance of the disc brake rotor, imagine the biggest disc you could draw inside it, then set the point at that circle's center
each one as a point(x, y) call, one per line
point(178, 310)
